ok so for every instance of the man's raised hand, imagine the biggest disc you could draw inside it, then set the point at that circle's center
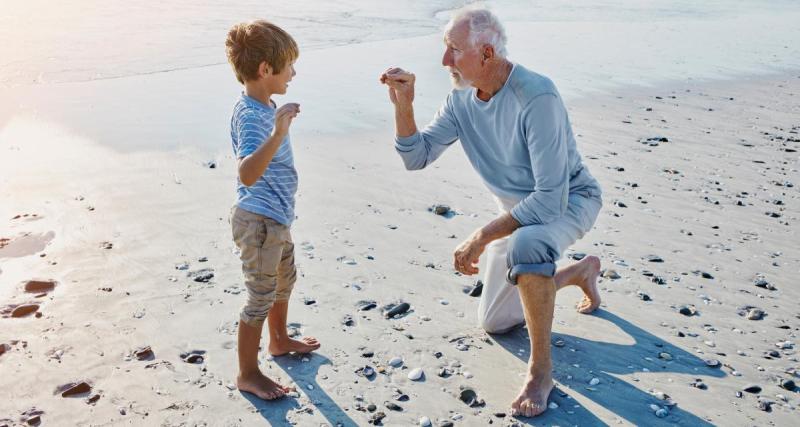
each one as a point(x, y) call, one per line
point(401, 85)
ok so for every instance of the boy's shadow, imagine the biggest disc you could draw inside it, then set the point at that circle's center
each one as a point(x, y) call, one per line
point(303, 374)
point(603, 359)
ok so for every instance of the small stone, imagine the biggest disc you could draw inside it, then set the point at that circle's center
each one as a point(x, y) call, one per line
point(144, 353)
point(72, 389)
point(393, 406)
point(611, 274)
point(396, 361)
point(424, 422)
point(653, 258)
point(366, 305)
point(752, 388)
point(440, 209)
point(788, 385)
point(397, 310)
point(552, 405)
point(201, 276)
point(470, 397)
point(661, 413)
point(476, 290)
point(377, 418)
point(712, 363)
point(366, 371)
point(688, 310)
point(643, 296)
point(39, 286)
point(665, 356)
point(193, 356)
point(765, 405)
point(755, 314)
point(594, 381)
point(416, 374)
point(23, 310)
point(91, 400)
point(577, 256)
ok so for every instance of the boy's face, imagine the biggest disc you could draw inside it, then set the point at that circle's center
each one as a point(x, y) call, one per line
point(277, 83)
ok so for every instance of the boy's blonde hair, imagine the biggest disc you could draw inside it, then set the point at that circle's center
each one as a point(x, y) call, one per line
point(251, 43)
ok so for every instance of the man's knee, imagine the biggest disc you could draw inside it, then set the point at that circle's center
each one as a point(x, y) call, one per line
point(531, 251)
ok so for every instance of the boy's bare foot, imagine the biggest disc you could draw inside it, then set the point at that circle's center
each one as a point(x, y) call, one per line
point(306, 345)
point(588, 269)
point(532, 399)
point(261, 386)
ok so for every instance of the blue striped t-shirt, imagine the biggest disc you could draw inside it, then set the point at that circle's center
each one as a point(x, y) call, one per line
point(272, 195)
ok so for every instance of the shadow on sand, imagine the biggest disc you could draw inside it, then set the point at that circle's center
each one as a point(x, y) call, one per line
point(617, 396)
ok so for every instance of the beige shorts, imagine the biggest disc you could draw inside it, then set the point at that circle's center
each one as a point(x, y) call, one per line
point(267, 255)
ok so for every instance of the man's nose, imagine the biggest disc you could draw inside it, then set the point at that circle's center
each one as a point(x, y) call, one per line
point(446, 60)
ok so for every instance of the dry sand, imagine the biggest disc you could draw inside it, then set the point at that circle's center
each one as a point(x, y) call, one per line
point(717, 202)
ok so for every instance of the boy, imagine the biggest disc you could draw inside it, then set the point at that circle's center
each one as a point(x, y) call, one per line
point(262, 56)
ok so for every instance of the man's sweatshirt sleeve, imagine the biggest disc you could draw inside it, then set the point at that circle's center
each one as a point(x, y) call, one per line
point(422, 148)
point(546, 134)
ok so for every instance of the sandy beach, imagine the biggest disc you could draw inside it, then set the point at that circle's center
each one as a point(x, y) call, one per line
point(117, 267)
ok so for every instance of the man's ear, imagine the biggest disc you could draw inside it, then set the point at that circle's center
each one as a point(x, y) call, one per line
point(488, 52)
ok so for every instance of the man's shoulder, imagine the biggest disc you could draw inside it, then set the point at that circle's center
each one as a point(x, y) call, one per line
point(527, 85)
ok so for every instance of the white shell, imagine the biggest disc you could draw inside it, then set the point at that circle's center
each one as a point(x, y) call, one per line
point(415, 374)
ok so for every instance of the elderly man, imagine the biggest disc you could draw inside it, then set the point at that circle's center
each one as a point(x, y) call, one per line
point(515, 131)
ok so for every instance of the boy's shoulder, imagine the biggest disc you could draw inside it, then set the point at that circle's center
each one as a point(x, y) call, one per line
point(248, 109)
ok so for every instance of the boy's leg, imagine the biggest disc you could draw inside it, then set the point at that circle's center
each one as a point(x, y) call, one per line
point(279, 341)
point(259, 265)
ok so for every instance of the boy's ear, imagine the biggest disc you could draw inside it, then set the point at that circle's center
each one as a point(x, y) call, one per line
point(264, 70)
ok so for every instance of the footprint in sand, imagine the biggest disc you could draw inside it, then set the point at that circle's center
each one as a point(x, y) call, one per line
point(24, 244)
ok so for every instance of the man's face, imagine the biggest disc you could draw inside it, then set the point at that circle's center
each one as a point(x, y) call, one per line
point(462, 60)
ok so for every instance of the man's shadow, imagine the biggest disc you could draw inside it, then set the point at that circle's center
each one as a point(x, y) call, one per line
point(303, 374)
point(603, 359)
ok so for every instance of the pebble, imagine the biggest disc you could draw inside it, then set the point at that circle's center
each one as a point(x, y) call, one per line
point(712, 363)
point(662, 412)
point(752, 388)
point(395, 311)
point(193, 356)
point(476, 290)
point(366, 305)
point(594, 381)
point(144, 353)
point(665, 356)
point(643, 296)
point(788, 385)
point(424, 422)
point(688, 310)
point(202, 276)
point(415, 374)
point(611, 274)
point(396, 361)
point(755, 314)
point(552, 405)
point(440, 209)
point(71, 389)
point(653, 258)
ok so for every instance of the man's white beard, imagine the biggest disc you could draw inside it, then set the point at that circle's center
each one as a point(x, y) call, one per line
point(458, 80)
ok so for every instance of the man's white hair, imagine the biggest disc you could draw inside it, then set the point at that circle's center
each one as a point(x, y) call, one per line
point(484, 28)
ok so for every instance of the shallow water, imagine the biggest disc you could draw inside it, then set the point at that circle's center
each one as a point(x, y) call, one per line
point(631, 41)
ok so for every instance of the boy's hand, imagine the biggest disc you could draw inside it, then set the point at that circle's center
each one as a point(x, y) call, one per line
point(283, 118)
point(401, 85)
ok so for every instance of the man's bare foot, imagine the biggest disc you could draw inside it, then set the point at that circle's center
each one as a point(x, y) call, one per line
point(588, 269)
point(261, 386)
point(306, 345)
point(532, 400)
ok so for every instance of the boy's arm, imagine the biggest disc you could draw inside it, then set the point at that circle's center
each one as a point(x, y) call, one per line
point(253, 165)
